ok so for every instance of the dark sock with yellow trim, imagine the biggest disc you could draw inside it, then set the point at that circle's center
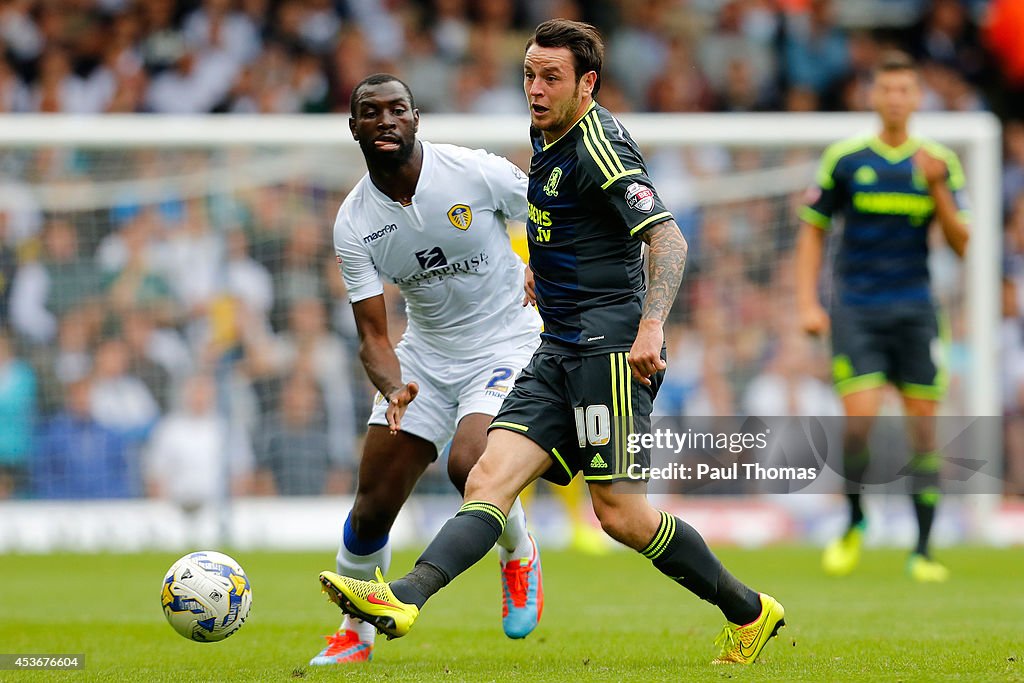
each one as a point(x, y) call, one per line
point(855, 465)
point(462, 542)
point(679, 552)
point(924, 469)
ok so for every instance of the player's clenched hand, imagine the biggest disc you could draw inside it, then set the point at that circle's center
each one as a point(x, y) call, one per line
point(645, 356)
point(529, 293)
point(933, 170)
point(400, 400)
point(814, 320)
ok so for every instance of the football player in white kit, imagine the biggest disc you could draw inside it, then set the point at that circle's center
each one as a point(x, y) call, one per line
point(430, 219)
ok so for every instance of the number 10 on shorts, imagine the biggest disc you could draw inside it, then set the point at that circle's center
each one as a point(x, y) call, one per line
point(593, 425)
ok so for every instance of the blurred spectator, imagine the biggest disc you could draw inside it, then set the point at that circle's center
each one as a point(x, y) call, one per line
point(303, 275)
point(163, 42)
point(636, 52)
point(121, 401)
point(350, 63)
point(450, 29)
point(20, 214)
point(160, 345)
point(59, 90)
point(247, 279)
point(815, 49)
point(136, 282)
point(852, 94)
point(740, 91)
point(947, 35)
point(190, 460)
point(19, 33)
point(482, 87)
point(217, 28)
point(381, 25)
point(679, 87)
point(76, 457)
point(196, 84)
point(8, 268)
point(309, 349)
point(1013, 163)
point(788, 386)
point(14, 96)
point(44, 290)
point(292, 456)
point(951, 91)
point(69, 361)
point(17, 417)
point(741, 70)
point(193, 261)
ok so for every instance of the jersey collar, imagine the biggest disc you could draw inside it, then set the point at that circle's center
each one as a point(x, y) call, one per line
point(894, 154)
point(593, 103)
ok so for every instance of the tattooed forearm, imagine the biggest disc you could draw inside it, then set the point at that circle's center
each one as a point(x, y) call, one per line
point(666, 259)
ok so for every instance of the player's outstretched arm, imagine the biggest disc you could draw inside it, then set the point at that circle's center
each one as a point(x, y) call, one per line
point(810, 246)
point(947, 213)
point(666, 260)
point(379, 359)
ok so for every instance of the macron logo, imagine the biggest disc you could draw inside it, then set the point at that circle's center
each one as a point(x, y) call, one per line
point(374, 236)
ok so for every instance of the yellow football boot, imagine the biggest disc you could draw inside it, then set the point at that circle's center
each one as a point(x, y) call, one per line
point(371, 601)
point(743, 644)
point(842, 555)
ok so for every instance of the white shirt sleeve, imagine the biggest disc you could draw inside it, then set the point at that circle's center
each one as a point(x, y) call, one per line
point(507, 184)
point(361, 277)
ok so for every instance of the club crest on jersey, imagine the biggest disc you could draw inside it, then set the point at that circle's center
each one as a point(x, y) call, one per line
point(640, 197)
point(551, 186)
point(865, 175)
point(460, 216)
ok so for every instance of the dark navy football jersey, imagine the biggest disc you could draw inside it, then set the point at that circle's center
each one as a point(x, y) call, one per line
point(886, 210)
point(590, 199)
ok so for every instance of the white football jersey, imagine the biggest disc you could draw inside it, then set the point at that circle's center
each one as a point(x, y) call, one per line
point(448, 251)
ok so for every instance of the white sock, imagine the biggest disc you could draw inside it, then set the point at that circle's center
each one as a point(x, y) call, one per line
point(363, 629)
point(514, 541)
point(362, 567)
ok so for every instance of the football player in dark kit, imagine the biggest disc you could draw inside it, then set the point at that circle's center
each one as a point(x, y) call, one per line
point(888, 188)
point(593, 379)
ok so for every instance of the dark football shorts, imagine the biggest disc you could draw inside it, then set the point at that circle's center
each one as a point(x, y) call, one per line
point(900, 344)
point(581, 410)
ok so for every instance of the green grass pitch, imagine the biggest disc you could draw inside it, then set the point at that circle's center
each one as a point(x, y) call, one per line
point(612, 618)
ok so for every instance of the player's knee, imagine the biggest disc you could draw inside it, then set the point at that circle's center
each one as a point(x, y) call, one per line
point(485, 478)
point(615, 520)
point(369, 519)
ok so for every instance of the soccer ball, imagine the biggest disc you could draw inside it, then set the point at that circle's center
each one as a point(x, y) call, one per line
point(206, 596)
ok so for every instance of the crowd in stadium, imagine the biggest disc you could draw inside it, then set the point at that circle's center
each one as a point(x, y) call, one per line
point(115, 329)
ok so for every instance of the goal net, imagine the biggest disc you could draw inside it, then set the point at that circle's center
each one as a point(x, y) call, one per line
point(169, 290)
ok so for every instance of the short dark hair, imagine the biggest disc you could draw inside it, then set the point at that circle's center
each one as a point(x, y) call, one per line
point(895, 60)
point(377, 79)
point(582, 40)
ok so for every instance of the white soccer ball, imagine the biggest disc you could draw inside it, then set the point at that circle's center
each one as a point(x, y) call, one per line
point(206, 596)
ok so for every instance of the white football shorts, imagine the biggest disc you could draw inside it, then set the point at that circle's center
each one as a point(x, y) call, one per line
point(451, 388)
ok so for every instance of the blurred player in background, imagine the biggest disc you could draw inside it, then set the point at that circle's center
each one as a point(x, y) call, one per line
point(431, 220)
point(593, 379)
point(888, 188)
